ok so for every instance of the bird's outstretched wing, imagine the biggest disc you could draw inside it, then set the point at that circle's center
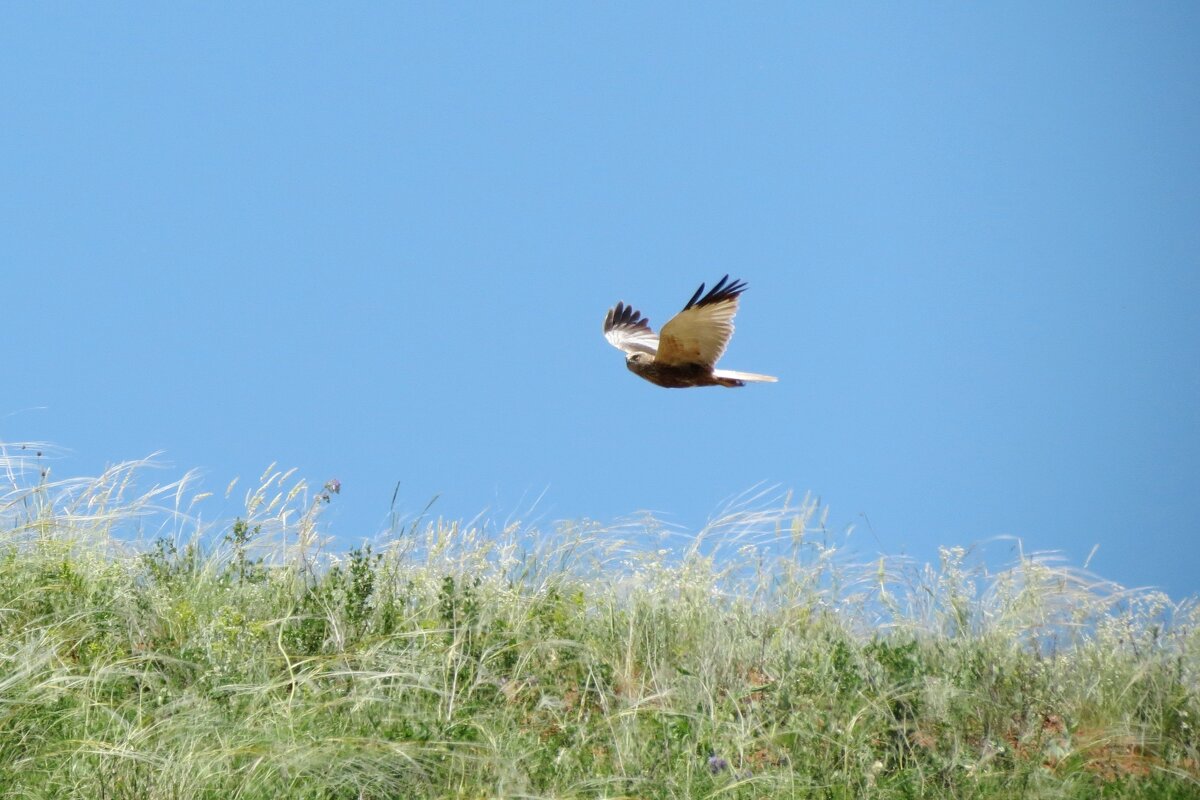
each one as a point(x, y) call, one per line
point(628, 330)
point(700, 332)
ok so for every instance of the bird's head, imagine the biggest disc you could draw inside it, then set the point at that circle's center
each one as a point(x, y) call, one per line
point(638, 357)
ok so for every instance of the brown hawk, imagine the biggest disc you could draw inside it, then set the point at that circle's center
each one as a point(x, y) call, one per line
point(686, 352)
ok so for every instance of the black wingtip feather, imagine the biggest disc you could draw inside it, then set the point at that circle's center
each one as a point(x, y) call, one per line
point(623, 316)
point(719, 293)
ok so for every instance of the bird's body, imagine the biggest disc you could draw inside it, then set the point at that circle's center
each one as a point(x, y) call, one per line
point(686, 352)
point(675, 376)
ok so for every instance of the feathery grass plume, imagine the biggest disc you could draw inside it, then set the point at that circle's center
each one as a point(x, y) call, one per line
point(147, 653)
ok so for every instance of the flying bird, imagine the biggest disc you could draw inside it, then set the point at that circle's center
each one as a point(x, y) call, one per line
point(686, 352)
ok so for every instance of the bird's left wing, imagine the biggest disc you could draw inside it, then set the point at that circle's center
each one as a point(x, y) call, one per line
point(629, 331)
point(700, 332)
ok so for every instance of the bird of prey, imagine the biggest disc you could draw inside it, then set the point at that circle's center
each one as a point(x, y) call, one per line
point(686, 352)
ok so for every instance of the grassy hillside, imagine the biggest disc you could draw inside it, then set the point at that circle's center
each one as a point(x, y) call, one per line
point(240, 660)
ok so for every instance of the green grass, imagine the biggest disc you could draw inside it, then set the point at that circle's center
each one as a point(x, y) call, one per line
point(751, 660)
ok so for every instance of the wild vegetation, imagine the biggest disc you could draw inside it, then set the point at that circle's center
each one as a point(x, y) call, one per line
point(145, 653)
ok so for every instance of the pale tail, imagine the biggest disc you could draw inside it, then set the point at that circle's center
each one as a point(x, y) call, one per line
point(743, 376)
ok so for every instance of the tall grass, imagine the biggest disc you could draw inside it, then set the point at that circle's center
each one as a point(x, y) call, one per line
point(145, 653)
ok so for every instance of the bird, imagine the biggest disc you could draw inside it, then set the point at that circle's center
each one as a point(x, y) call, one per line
point(685, 354)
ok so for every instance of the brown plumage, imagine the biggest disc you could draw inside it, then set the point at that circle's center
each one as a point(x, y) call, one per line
point(686, 352)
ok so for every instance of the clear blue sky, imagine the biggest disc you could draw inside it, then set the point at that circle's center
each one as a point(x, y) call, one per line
point(377, 244)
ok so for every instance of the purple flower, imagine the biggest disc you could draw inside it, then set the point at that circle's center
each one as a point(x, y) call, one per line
point(717, 764)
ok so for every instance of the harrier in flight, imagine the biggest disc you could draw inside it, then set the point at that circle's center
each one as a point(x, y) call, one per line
point(686, 352)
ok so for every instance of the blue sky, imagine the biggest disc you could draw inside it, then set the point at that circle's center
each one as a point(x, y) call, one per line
point(377, 243)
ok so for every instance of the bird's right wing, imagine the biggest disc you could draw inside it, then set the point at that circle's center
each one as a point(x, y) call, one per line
point(629, 331)
point(700, 333)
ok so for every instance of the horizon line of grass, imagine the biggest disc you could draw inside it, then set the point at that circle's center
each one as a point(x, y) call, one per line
point(144, 653)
